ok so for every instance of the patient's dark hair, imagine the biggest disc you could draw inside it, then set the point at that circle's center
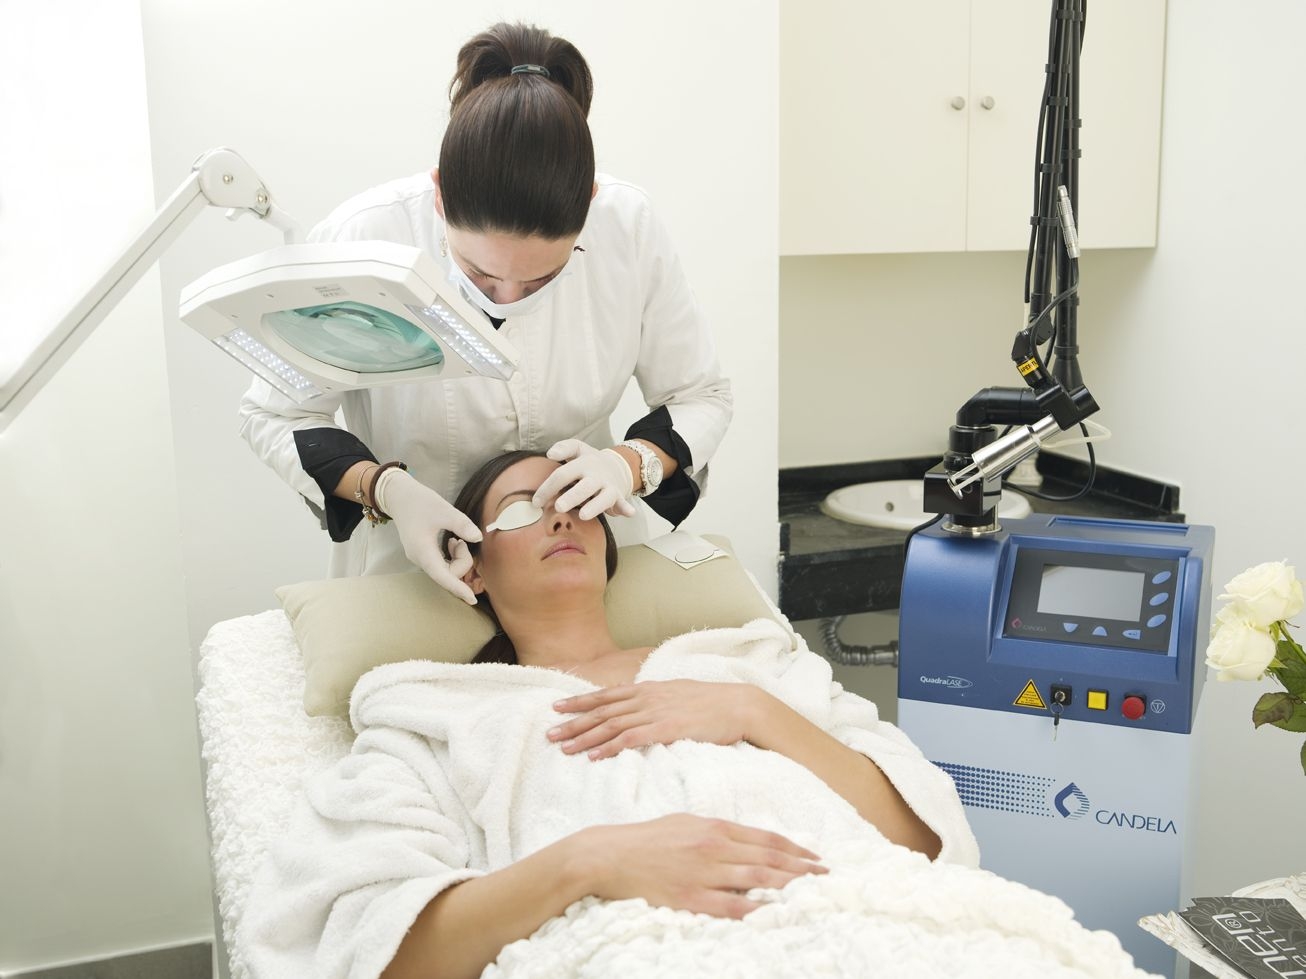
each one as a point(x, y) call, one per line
point(471, 501)
point(517, 157)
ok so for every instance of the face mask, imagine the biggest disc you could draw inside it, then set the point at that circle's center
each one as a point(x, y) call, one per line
point(500, 310)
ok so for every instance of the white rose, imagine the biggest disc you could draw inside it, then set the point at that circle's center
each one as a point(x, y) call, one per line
point(1266, 593)
point(1239, 650)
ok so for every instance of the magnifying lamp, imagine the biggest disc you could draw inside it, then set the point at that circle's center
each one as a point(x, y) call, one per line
point(329, 316)
point(308, 318)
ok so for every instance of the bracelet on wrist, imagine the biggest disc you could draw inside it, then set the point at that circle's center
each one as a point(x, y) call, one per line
point(375, 513)
point(367, 499)
point(358, 490)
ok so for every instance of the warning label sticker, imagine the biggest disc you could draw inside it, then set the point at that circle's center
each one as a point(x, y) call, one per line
point(1029, 697)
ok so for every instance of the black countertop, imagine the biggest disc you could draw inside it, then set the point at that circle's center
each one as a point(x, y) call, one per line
point(830, 567)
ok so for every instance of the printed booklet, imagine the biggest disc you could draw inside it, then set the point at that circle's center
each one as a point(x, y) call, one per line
point(1258, 936)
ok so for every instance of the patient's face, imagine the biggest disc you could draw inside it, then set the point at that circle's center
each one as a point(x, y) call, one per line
point(555, 555)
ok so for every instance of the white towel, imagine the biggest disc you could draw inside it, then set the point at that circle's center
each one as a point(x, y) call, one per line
point(452, 776)
point(259, 748)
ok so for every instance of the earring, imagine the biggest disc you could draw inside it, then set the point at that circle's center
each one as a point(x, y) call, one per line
point(444, 247)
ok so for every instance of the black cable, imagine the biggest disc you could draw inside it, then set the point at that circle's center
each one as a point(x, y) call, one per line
point(1082, 491)
point(1063, 360)
point(1049, 170)
point(917, 529)
point(1038, 151)
point(1054, 302)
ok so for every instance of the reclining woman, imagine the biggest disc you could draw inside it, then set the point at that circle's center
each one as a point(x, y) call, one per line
point(715, 805)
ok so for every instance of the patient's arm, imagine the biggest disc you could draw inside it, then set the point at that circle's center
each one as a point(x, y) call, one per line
point(679, 861)
point(661, 712)
point(778, 727)
point(465, 927)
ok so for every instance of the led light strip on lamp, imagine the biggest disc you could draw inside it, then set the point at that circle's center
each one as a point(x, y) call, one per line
point(468, 344)
point(267, 365)
point(331, 316)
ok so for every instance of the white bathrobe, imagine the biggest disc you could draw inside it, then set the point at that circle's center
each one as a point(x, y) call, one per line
point(452, 776)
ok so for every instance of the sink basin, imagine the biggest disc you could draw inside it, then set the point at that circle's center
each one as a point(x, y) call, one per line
point(895, 504)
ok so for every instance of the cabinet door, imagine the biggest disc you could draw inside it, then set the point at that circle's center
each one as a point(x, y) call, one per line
point(1009, 48)
point(872, 149)
point(1120, 104)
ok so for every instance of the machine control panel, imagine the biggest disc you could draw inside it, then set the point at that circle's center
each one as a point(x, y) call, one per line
point(1072, 619)
point(1094, 599)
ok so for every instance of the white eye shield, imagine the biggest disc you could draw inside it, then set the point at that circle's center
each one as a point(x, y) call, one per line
point(515, 516)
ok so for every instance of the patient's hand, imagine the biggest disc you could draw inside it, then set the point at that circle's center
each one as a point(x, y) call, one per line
point(655, 712)
point(692, 863)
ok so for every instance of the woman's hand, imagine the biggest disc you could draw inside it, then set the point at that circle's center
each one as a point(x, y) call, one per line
point(655, 712)
point(421, 515)
point(692, 863)
point(596, 480)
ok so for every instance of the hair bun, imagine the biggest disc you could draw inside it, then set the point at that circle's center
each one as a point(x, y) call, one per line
point(507, 50)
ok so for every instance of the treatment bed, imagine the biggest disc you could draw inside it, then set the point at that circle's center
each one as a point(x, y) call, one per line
point(274, 687)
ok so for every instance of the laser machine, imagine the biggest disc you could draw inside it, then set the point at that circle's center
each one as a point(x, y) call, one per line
point(1050, 664)
point(1050, 667)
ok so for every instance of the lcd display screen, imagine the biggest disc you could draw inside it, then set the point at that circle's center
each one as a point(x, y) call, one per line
point(1091, 593)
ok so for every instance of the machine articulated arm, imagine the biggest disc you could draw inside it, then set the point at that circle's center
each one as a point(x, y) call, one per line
point(967, 484)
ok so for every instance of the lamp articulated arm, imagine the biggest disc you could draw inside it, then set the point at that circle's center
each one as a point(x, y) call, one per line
point(219, 178)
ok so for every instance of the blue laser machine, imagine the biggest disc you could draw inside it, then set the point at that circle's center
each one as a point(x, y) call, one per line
point(1051, 665)
point(1051, 668)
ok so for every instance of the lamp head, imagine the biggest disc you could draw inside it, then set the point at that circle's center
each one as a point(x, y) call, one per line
point(332, 316)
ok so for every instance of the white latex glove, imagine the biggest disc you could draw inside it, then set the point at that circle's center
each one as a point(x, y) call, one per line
point(420, 515)
point(600, 479)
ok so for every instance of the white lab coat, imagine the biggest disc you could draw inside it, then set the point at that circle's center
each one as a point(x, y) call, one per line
point(621, 309)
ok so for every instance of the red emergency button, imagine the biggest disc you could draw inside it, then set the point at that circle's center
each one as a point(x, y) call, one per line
point(1133, 707)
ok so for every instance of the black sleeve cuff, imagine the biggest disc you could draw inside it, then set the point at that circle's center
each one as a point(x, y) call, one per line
point(676, 497)
point(326, 455)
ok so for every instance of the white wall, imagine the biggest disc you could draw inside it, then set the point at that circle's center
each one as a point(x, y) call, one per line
point(136, 518)
point(1194, 350)
point(878, 352)
point(326, 98)
point(102, 842)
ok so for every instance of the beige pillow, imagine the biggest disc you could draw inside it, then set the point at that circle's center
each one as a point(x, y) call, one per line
point(346, 626)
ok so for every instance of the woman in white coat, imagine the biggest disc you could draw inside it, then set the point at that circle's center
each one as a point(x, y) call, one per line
point(575, 270)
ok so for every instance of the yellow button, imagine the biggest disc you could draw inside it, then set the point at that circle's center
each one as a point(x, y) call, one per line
point(1097, 700)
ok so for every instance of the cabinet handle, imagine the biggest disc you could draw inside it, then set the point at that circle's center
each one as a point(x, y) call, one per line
point(987, 102)
point(958, 103)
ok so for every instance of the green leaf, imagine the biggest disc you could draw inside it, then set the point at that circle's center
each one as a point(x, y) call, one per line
point(1282, 710)
point(1303, 757)
point(1291, 668)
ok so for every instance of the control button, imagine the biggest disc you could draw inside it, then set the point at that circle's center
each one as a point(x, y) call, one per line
point(1155, 621)
point(1160, 598)
point(1161, 577)
point(1133, 707)
point(1070, 626)
point(1100, 631)
point(1133, 633)
point(1097, 700)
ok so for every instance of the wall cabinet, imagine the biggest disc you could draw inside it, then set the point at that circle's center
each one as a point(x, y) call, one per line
point(910, 127)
